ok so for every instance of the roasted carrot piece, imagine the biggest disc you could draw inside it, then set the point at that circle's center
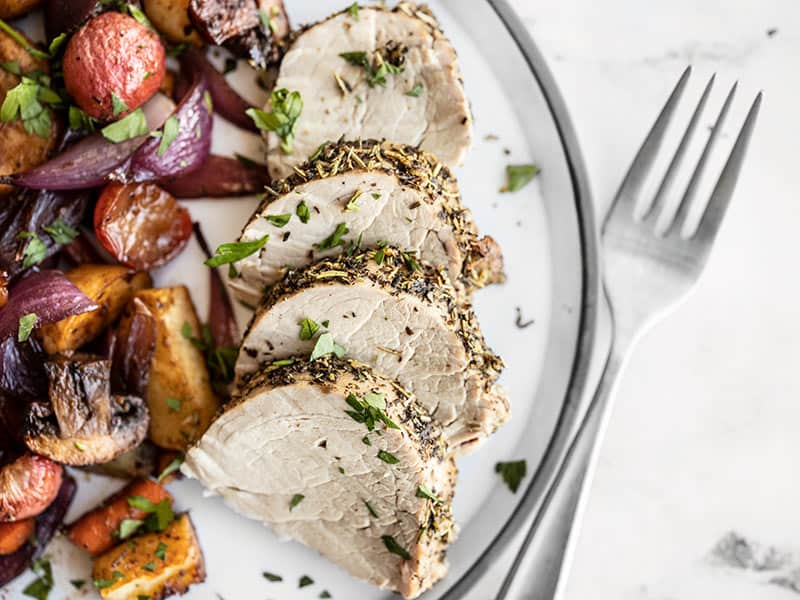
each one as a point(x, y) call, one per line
point(97, 530)
point(14, 534)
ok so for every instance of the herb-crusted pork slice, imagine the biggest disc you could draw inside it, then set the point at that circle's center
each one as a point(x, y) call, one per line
point(340, 459)
point(400, 317)
point(367, 193)
point(374, 73)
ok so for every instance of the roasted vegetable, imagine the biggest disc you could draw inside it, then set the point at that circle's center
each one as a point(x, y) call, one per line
point(14, 534)
point(12, 565)
point(220, 177)
point(99, 529)
point(11, 9)
point(28, 484)
point(83, 423)
point(112, 65)
point(25, 142)
point(110, 287)
point(139, 462)
point(141, 225)
point(35, 211)
point(157, 565)
point(179, 395)
point(171, 18)
point(62, 16)
point(133, 350)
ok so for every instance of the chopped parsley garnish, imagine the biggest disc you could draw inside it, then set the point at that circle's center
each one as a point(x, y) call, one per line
point(388, 457)
point(161, 551)
point(395, 548)
point(220, 359)
point(208, 101)
point(174, 404)
point(128, 527)
point(272, 577)
point(376, 69)
point(365, 440)
point(11, 66)
point(371, 510)
point(102, 584)
point(352, 204)
point(285, 362)
point(79, 120)
point(159, 515)
point(302, 212)
point(334, 239)
point(171, 129)
point(20, 39)
point(308, 328)
point(235, 251)
point(128, 127)
point(325, 346)
point(296, 499)
point(305, 580)
point(425, 492)
point(173, 466)
point(57, 43)
point(149, 566)
point(518, 176)
point(325, 594)
point(77, 583)
point(411, 261)
point(416, 91)
point(117, 105)
point(370, 410)
point(26, 325)
point(286, 110)
point(25, 102)
point(512, 473)
point(40, 587)
point(137, 14)
point(352, 10)
point(279, 220)
point(380, 253)
point(35, 250)
point(325, 323)
point(60, 232)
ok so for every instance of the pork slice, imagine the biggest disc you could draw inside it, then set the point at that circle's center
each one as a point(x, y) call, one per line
point(293, 452)
point(402, 318)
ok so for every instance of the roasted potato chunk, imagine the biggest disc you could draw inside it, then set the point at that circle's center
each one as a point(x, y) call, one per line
point(20, 150)
point(109, 286)
point(179, 394)
point(155, 565)
point(11, 9)
point(171, 17)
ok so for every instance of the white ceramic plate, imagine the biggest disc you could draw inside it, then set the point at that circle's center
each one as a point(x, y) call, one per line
point(547, 234)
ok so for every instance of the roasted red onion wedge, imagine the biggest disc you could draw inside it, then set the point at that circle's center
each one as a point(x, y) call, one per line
point(133, 350)
point(227, 101)
point(47, 294)
point(221, 318)
point(220, 177)
point(13, 565)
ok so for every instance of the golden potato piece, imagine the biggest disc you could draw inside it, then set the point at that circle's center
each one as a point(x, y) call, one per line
point(20, 150)
point(11, 9)
point(136, 568)
point(109, 286)
point(179, 394)
point(171, 17)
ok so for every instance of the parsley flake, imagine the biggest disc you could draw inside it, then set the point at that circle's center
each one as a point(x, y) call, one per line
point(296, 499)
point(302, 212)
point(279, 220)
point(117, 105)
point(425, 492)
point(305, 580)
point(518, 176)
point(60, 232)
point(334, 239)
point(26, 325)
point(174, 404)
point(395, 548)
point(308, 328)
point(416, 91)
point(35, 250)
point(286, 110)
point(235, 251)
point(512, 473)
point(272, 577)
point(352, 10)
point(325, 346)
point(171, 129)
point(388, 457)
point(129, 127)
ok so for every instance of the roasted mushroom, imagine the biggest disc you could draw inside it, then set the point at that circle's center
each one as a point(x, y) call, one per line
point(83, 423)
point(28, 484)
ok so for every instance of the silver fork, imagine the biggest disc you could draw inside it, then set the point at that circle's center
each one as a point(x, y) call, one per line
point(646, 274)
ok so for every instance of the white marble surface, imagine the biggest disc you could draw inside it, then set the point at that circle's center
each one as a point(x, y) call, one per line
point(703, 439)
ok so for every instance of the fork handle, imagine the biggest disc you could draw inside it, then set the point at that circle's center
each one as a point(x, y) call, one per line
point(553, 522)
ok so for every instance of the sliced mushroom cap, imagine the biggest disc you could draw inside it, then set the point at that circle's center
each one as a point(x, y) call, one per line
point(84, 423)
point(28, 484)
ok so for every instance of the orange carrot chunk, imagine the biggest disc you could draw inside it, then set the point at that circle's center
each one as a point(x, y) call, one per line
point(15, 534)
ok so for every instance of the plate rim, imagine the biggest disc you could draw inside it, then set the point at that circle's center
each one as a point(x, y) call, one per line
point(588, 318)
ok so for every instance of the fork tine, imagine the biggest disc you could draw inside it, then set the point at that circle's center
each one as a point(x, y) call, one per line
point(674, 165)
point(694, 183)
point(642, 163)
point(723, 190)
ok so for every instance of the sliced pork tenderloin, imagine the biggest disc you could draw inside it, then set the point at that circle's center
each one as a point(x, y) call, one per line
point(402, 318)
point(370, 192)
point(341, 459)
point(398, 80)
